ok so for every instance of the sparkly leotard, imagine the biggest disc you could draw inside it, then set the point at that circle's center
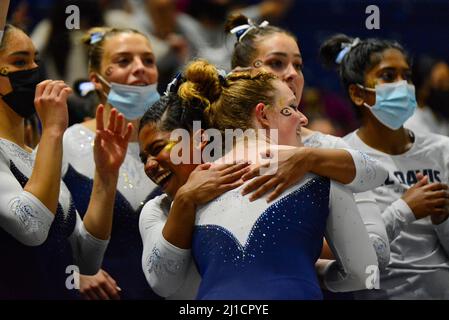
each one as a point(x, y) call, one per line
point(123, 256)
point(37, 247)
point(256, 250)
point(270, 253)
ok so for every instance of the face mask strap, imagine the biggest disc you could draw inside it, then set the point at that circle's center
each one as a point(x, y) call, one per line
point(105, 82)
point(365, 88)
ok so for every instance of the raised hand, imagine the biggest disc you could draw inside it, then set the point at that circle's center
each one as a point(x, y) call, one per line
point(111, 143)
point(51, 105)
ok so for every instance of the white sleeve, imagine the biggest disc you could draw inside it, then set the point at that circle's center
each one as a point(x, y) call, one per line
point(165, 266)
point(22, 215)
point(350, 244)
point(369, 174)
point(88, 251)
point(442, 231)
point(395, 217)
point(372, 218)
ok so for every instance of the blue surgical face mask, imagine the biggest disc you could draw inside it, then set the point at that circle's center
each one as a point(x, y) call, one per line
point(395, 103)
point(132, 101)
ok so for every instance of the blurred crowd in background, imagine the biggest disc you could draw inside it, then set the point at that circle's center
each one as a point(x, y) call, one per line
point(181, 30)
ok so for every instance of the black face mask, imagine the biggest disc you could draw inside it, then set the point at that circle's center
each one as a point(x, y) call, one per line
point(438, 101)
point(21, 98)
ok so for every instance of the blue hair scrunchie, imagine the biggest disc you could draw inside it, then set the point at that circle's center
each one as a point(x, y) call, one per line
point(96, 37)
point(346, 48)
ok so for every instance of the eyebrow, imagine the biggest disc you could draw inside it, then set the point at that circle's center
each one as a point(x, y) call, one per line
point(130, 53)
point(291, 102)
point(149, 148)
point(393, 69)
point(283, 54)
point(23, 53)
point(20, 53)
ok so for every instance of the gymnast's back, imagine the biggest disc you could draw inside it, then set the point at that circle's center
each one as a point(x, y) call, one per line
point(259, 250)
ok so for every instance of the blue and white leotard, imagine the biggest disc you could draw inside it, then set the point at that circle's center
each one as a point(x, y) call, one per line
point(170, 270)
point(37, 246)
point(134, 188)
point(256, 250)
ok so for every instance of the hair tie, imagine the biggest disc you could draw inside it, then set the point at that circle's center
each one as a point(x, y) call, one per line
point(96, 37)
point(242, 30)
point(173, 86)
point(222, 74)
point(346, 48)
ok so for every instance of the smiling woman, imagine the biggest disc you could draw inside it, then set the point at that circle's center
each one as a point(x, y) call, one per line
point(273, 49)
point(156, 150)
point(122, 68)
point(205, 206)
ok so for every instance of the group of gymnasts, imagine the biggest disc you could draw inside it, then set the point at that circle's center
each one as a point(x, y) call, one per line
point(359, 217)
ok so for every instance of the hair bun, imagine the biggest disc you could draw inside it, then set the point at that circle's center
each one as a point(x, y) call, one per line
point(235, 20)
point(331, 48)
point(202, 82)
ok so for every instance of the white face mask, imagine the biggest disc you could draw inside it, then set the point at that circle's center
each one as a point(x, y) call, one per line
point(132, 101)
point(395, 103)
